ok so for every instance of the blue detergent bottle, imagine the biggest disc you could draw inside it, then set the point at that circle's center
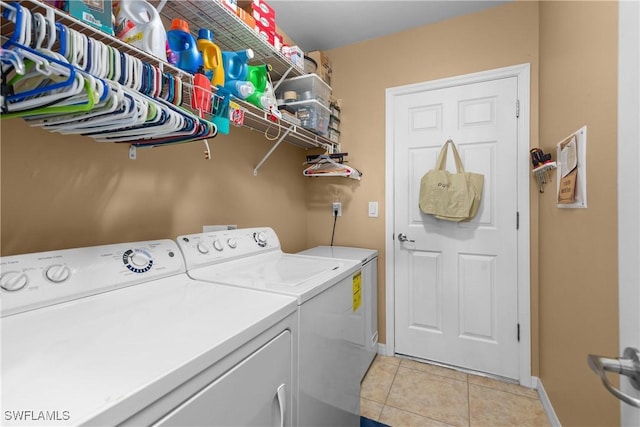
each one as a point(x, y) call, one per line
point(236, 70)
point(184, 45)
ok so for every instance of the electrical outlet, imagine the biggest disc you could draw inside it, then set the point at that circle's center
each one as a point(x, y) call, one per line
point(337, 209)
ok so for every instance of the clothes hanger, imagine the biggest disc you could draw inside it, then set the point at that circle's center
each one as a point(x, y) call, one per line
point(324, 165)
point(9, 57)
point(64, 92)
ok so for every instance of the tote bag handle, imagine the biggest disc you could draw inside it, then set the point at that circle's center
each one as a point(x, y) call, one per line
point(441, 163)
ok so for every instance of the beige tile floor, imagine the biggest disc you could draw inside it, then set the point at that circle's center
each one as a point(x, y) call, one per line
point(405, 393)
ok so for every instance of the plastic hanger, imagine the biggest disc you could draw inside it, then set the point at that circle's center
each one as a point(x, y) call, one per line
point(324, 165)
point(9, 57)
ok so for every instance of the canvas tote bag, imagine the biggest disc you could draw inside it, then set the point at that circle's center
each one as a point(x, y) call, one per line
point(450, 196)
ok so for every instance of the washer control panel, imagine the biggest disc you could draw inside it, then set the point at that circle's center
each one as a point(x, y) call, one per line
point(210, 248)
point(39, 279)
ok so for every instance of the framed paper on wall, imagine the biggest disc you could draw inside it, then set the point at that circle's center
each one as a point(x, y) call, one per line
point(572, 170)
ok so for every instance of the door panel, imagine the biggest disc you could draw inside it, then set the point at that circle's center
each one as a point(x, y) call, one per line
point(456, 283)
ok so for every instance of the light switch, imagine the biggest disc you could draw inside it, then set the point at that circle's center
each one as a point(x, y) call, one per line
point(373, 209)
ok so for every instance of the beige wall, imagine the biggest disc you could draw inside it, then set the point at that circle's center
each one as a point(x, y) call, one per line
point(578, 247)
point(572, 49)
point(60, 191)
point(498, 37)
point(69, 191)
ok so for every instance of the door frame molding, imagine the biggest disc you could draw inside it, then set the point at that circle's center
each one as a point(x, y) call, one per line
point(523, 73)
point(628, 193)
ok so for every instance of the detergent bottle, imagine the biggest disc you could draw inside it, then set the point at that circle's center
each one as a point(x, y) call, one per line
point(211, 54)
point(138, 23)
point(184, 46)
point(258, 75)
point(235, 64)
point(235, 73)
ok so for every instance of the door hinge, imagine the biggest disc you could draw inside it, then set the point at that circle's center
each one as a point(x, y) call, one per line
point(517, 108)
point(517, 220)
point(518, 332)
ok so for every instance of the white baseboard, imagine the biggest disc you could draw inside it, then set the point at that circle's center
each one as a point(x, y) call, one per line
point(382, 349)
point(546, 403)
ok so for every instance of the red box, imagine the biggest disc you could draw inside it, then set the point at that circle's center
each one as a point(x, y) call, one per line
point(266, 20)
point(264, 28)
point(265, 10)
point(266, 34)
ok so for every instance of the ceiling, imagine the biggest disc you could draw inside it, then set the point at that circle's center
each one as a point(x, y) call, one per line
point(324, 25)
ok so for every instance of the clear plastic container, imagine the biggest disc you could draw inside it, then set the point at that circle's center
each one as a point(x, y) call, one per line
point(308, 87)
point(312, 115)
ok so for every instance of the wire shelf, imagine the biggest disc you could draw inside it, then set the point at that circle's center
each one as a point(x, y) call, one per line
point(231, 33)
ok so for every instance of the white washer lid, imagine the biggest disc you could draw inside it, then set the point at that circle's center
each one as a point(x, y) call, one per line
point(296, 275)
point(105, 357)
point(360, 254)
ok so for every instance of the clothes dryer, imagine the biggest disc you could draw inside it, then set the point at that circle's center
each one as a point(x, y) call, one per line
point(369, 259)
point(328, 294)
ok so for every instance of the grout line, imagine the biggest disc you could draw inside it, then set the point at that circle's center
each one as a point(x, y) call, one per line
point(509, 392)
point(392, 381)
point(421, 415)
point(437, 375)
point(468, 402)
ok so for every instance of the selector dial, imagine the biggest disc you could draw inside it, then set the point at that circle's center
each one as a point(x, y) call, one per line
point(137, 260)
point(217, 244)
point(58, 273)
point(202, 248)
point(260, 238)
point(233, 243)
point(13, 281)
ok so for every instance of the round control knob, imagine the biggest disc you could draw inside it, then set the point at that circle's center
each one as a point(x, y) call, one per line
point(139, 259)
point(58, 273)
point(233, 243)
point(217, 244)
point(13, 281)
point(202, 248)
point(260, 238)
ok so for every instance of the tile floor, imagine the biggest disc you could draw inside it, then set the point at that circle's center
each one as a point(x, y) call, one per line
point(405, 393)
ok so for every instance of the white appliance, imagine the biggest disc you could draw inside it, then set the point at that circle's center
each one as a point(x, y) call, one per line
point(327, 292)
point(120, 335)
point(369, 259)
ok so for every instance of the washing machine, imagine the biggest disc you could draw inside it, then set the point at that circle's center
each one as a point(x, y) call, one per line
point(369, 259)
point(328, 294)
point(120, 335)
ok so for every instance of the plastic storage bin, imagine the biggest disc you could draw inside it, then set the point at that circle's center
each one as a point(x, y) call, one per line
point(312, 115)
point(307, 87)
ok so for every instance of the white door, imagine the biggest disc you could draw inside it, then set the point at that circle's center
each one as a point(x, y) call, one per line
point(456, 294)
point(629, 192)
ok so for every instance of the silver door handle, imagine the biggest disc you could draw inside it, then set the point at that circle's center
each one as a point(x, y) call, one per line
point(403, 238)
point(627, 365)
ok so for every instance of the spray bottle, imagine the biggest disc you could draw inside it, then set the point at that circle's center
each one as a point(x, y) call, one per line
point(138, 23)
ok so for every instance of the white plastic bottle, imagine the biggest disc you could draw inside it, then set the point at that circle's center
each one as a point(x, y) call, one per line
point(138, 23)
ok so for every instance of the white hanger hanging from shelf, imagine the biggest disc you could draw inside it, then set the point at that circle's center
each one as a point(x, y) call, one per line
point(324, 165)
